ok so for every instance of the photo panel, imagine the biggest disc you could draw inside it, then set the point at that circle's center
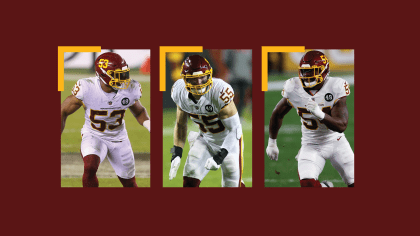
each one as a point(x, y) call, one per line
point(104, 121)
point(207, 108)
point(283, 67)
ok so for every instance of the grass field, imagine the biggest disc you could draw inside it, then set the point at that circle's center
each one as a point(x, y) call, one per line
point(104, 182)
point(289, 139)
point(213, 178)
point(71, 137)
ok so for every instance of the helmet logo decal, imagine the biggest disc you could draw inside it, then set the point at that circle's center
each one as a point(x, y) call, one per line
point(209, 108)
point(101, 63)
point(125, 101)
point(324, 59)
point(328, 97)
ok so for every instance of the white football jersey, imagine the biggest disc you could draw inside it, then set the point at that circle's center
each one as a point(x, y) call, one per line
point(104, 113)
point(313, 130)
point(206, 111)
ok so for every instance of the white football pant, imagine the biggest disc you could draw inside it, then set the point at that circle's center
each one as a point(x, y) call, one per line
point(232, 165)
point(120, 154)
point(311, 159)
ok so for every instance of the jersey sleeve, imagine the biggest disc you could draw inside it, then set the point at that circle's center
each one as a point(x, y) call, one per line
point(175, 91)
point(78, 89)
point(288, 87)
point(342, 88)
point(138, 91)
point(225, 95)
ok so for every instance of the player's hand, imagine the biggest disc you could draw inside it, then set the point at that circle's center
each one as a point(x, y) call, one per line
point(272, 149)
point(174, 167)
point(313, 107)
point(211, 164)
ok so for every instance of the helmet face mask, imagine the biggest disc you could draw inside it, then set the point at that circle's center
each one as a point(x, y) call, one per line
point(313, 69)
point(198, 89)
point(113, 70)
point(120, 79)
point(193, 69)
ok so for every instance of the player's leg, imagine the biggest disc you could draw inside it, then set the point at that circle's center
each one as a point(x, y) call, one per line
point(310, 165)
point(93, 151)
point(194, 170)
point(121, 158)
point(232, 167)
point(90, 167)
point(128, 182)
point(191, 182)
point(343, 160)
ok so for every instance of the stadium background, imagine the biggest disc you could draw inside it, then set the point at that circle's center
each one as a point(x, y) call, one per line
point(233, 66)
point(282, 66)
point(81, 65)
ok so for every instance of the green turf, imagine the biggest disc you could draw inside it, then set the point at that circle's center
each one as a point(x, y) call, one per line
point(103, 182)
point(283, 173)
point(71, 138)
point(213, 178)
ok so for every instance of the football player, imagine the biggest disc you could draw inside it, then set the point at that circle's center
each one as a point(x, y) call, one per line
point(320, 101)
point(105, 99)
point(208, 102)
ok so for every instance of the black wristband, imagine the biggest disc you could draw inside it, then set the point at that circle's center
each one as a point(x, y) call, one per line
point(220, 156)
point(176, 152)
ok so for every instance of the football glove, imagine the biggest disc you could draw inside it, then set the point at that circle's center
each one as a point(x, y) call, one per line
point(215, 162)
point(175, 161)
point(272, 149)
point(211, 164)
point(174, 167)
point(313, 107)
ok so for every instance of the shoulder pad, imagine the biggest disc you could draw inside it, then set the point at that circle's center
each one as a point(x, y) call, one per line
point(337, 84)
point(289, 85)
point(224, 92)
point(175, 91)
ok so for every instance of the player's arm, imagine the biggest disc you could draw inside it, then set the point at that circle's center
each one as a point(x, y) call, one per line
point(230, 118)
point(180, 130)
point(140, 113)
point(276, 120)
point(339, 116)
point(180, 135)
point(68, 107)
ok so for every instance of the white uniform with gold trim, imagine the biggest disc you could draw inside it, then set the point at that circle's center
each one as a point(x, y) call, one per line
point(318, 142)
point(104, 112)
point(205, 112)
point(104, 133)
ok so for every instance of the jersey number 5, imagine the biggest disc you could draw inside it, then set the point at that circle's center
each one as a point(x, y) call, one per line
point(102, 124)
point(226, 95)
point(205, 121)
point(309, 123)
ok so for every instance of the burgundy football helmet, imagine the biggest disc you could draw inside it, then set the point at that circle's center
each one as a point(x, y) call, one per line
point(196, 66)
point(313, 68)
point(113, 70)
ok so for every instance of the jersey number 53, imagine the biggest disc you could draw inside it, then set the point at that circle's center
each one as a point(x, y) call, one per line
point(101, 125)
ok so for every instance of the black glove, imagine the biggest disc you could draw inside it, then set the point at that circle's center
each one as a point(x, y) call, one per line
point(176, 152)
point(220, 156)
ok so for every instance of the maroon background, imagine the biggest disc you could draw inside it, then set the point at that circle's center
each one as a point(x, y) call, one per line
point(34, 201)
